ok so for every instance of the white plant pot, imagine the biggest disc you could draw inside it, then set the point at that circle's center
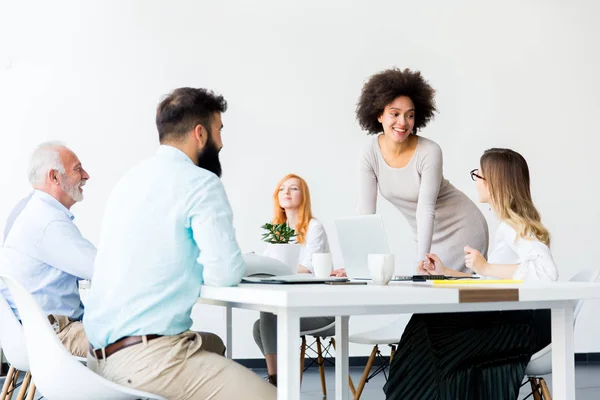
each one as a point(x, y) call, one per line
point(288, 253)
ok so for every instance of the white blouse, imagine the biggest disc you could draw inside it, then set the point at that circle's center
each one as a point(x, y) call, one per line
point(316, 242)
point(534, 257)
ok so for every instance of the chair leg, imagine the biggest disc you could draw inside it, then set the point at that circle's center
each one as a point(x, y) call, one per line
point(321, 364)
point(7, 382)
point(24, 386)
point(11, 386)
point(31, 392)
point(302, 355)
point(350, 383)
point(363, 380)
point(535, 388)
point(392, 353)
point(545, 392)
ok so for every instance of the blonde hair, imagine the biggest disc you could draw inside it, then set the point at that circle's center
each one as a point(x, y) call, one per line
point(507, 175)
point(304, 214)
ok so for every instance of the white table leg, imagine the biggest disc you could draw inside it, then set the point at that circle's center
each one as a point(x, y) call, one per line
point(563, 356)
point(342, 391)
point(288, 356)
point(229, 340)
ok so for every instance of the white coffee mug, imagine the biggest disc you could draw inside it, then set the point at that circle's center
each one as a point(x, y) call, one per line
point(322, 264)
point(381, 267)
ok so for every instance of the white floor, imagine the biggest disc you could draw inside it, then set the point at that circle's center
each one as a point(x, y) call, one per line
point(587, 380)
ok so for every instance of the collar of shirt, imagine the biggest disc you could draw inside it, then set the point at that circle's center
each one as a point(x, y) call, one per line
point(173, 152)
point(46, 198)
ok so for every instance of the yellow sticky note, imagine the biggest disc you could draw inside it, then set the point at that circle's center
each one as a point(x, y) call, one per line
point(475, 281)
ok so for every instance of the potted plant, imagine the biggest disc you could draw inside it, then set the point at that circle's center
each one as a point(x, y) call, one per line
point(280, 244)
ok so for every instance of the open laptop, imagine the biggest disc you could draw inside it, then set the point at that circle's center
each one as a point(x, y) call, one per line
point(358, 237)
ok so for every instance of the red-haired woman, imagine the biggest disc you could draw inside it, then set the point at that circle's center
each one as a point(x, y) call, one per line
point(291, 201)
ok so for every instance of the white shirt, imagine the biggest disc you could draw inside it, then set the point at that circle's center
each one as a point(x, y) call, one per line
point(45, 252)
point(316, 242)
point(534, 257)
point(167, 229)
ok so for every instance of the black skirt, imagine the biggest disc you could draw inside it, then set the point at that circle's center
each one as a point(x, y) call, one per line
point(464, 356)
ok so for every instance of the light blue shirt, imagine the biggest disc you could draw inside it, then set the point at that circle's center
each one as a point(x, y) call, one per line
point(167, 229)
point(46, 253)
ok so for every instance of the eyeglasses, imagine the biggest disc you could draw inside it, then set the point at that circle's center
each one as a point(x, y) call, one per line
point(475, 175)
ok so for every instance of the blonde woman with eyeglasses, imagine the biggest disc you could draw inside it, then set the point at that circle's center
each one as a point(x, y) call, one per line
point(482, 355)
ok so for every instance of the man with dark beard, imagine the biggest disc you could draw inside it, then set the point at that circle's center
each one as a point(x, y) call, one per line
point(168, 230)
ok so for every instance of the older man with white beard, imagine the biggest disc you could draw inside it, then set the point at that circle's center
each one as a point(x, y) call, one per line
point(44, 250)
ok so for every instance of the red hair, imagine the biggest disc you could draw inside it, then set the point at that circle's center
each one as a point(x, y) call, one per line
point(304, 214)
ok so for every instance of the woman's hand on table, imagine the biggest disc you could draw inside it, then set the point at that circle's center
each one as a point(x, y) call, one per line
point(339, 273)
point(303, 270)
point(421, 270)
point(475, 261)
point(434, 265)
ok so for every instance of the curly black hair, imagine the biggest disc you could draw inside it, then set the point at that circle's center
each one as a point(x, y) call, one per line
point(382, 88)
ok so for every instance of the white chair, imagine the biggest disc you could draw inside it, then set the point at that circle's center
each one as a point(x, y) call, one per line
point(56, 373)
point(13, 338)
point(15, 351)
point(541, 362)
point(387, 335)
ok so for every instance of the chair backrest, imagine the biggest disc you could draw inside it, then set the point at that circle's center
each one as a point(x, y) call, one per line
point(586, 275)
point(56, 373)
point(318, 331)
point(12, 338)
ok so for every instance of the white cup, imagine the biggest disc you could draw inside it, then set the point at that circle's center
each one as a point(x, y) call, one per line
point(381, 267)
point(322, 264)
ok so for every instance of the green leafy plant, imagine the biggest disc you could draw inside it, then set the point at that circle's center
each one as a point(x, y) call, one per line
point(278, 233)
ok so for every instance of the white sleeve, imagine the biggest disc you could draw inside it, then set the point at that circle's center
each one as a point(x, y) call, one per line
point(535, 262)
point(316, 242)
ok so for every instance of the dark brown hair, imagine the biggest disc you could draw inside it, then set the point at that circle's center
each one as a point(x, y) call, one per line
point(382, 88)
point(185, 108)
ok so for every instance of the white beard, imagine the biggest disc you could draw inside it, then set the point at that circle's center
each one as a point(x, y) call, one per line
point(73, 190)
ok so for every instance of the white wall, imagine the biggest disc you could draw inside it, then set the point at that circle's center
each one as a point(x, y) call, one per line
point(519, 74)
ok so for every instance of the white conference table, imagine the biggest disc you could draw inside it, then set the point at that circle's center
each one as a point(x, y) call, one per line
point(292, 302)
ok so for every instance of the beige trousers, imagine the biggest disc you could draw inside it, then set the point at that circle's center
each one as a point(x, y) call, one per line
point(181, 367)
point(72, 335)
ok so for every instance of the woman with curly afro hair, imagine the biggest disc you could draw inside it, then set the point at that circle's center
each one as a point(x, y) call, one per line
point(407, 169)
point(479, 355)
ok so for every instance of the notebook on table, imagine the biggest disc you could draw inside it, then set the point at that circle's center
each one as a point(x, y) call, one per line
point(295, 279)
point(423, 278)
